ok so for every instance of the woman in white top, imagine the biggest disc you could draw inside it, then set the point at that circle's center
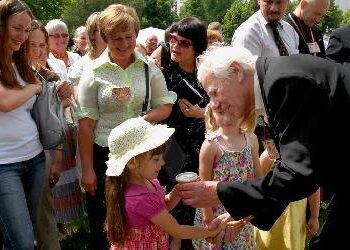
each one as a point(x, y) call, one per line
point(58, 42)
point(22, 161)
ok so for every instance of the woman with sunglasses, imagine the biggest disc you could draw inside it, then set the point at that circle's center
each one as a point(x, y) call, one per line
point(187, 40)
point(58, 42)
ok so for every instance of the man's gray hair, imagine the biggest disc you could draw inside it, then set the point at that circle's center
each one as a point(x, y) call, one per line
point(54, 25)
point(218, 60)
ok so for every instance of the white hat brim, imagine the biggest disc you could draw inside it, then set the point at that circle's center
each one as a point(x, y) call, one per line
point(155, 138)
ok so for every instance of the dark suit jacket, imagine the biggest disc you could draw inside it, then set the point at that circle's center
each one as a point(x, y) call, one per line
point(338, 48)
point(307, 100)
point(303, 48)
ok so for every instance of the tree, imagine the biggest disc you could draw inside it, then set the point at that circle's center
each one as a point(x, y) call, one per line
point(157, 13)
point(194, 8)
point(237, 14)
point(332, 19)
point(45, 10)
point(76, 13)
point(216, 9)
point(346, 18)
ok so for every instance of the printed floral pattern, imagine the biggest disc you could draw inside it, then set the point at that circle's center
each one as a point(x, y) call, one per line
point(150, 238)
point(232, 166)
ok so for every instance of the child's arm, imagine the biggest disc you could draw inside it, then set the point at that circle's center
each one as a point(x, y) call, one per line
point(207, 157)
point(172, 199)
point(167, 222)
point(255, 154)
point(265, 162)
point(313, 224)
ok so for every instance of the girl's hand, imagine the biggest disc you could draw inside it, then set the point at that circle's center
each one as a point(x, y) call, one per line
point(207, 216)
point(55, 173)
point(190, 110)
point(63, 89)
point(312, 227)
point(37, 88)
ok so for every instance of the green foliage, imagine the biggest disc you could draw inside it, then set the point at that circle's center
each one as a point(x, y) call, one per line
point(78, 236)
point(46, 9)
point(291, 6)
point(194, 8)
point(346, 18)
point(76, 13)
point(157, 13)
point(332, 19)
point(237, 14)
point(216, 9)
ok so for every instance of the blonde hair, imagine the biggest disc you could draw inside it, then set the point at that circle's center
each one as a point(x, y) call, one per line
point(214, 36)
point(210, 122)
point(91, 26)
point(247, 125)
point(118, 18)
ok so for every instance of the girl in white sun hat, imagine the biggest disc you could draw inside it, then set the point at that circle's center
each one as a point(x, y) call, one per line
point(137, 210)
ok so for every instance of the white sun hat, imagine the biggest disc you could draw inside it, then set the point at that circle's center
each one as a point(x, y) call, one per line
point(131, 138)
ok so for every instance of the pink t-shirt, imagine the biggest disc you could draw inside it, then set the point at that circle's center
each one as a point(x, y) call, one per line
point(141, 204)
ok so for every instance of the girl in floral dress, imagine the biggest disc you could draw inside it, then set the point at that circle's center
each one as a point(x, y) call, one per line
point(229, 153)
point(137, 210)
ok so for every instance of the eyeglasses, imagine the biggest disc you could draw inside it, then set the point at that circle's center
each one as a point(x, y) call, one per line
point(181, 42)
point(56, 36)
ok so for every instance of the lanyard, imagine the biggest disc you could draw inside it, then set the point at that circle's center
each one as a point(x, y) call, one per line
point(301, 30)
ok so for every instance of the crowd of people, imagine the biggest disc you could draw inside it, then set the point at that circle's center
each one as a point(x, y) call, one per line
point(260, 124)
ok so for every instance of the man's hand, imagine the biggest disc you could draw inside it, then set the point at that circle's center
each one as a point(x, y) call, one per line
point(199, 194)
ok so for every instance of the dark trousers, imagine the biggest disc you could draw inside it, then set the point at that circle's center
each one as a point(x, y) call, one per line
point(95, 205)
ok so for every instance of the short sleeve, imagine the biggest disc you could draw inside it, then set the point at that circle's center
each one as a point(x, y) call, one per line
point(151, 205)
point(159, 91)
point(88, 96)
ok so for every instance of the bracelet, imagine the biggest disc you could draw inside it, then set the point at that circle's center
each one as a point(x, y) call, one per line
point(58, 149)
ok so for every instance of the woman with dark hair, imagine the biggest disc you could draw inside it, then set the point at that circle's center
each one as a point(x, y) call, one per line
point(187, 40)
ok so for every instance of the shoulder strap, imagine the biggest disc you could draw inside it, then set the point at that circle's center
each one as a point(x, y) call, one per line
point(145, 103)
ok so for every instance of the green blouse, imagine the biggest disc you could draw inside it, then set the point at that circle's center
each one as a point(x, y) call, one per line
point(98, 87)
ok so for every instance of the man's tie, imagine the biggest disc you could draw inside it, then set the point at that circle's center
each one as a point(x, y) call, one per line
point(278, 40)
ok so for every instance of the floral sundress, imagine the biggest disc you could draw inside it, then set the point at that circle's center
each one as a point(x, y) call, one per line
point(232, 166)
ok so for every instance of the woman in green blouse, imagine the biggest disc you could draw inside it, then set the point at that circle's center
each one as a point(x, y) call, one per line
point(112, 89)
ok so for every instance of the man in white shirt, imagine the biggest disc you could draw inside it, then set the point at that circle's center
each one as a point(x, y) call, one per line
point(256, 35)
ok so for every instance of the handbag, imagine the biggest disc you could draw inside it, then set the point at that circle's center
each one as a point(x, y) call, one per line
point(48, 115)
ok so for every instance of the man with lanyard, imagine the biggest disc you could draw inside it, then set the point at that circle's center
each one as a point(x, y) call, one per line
point(304, 19)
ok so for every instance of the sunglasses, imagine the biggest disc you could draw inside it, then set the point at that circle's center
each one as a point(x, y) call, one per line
point(181, 42)
point(56, 36)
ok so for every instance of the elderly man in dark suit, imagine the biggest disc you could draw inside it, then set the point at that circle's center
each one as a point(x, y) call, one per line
point(338, 48)
point(307, 102)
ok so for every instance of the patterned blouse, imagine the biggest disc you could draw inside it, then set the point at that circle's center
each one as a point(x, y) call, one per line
point(110, 95)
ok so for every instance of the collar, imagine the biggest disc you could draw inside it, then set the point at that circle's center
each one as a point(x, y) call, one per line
point(265, 23)
point(259, 103)
point(105, 59)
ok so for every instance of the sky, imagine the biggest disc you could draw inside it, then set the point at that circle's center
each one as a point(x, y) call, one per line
point(343, 4)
